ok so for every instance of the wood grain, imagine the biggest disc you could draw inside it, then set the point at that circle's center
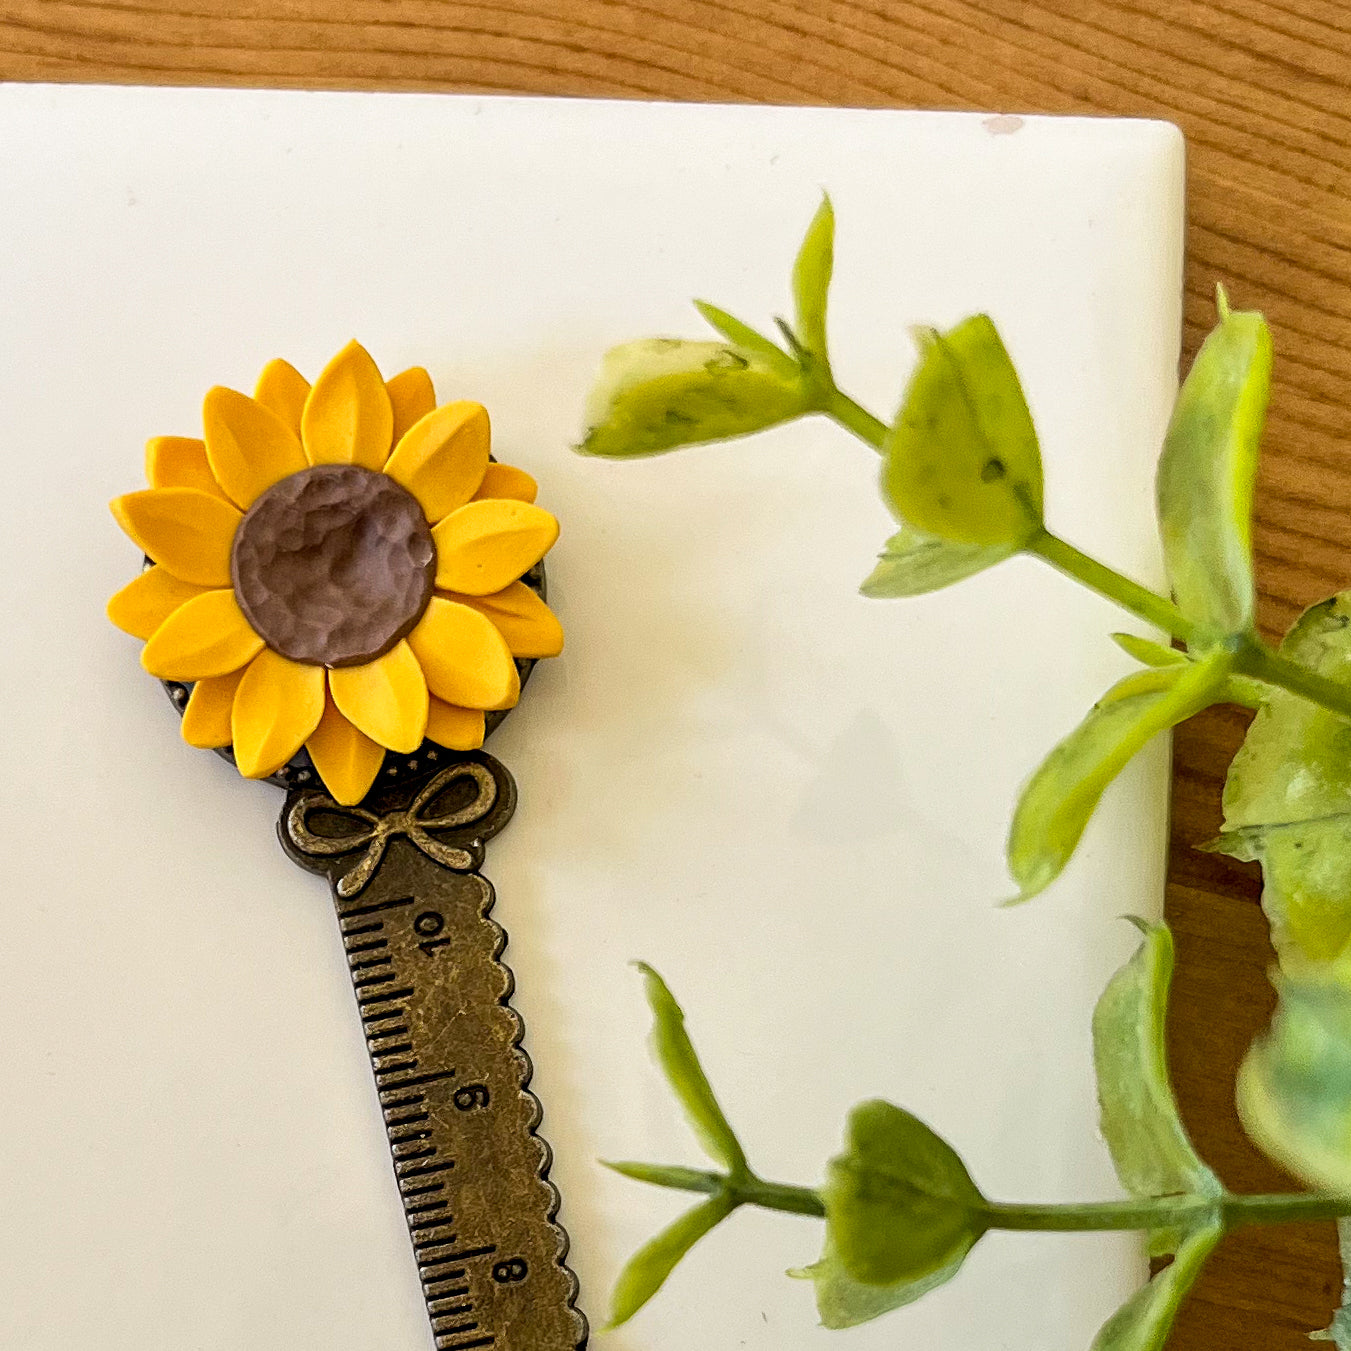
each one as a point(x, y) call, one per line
point(1261, 89)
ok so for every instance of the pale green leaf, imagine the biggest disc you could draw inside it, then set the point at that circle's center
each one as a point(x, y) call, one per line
point(811, 283)
point(751, 343)
point(1295, 763)
point(657, 394)
point(1144, 1321)
point(962, 460)
point(1207, 470)
point(1294, 1089)
point(1151, 680)
point(1339, 1333)
point(914, 563)
point(899, 1202)
point(1139, 1118)
point(1306, 885)
point(648, 1268)
point(1287, 799)
point(1149, 653)
point(661, 1174)
point(676, 1055)
point(843, 1302)
point(1064, 792)
point(1238, 689)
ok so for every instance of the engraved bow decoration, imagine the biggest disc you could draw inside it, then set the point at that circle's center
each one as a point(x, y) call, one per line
point(373, 833)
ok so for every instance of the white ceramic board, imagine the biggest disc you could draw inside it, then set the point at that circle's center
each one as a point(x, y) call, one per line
point(789, 799)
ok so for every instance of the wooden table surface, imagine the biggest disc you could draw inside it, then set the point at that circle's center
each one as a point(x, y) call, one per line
point(1260, 87)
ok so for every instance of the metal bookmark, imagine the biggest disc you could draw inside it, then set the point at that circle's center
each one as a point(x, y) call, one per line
point(445, 1046)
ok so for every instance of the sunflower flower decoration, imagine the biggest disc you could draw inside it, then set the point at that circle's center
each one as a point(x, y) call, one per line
point(338, 568)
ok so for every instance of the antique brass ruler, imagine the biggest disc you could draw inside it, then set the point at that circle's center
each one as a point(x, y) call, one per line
point(433, 997)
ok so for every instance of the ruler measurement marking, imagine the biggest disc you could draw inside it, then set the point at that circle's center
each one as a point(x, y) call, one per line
point(425, 1209)
point(400, 1048)
point(430, 1170)
point(370, 961)
point(374, 979)
point(375, 907)
point(356, 930)
point(374, 1017)
point(468, 1254)
point(427, 1284)
point(458, 1311)
point(422, 1191)
point(374, 945)
point(389, 997)
point(430, 1245)
point(451, 1294)
point(431, 1077)
point(462, 1346)
point(431, 1224)
point(411, 1156)
point(399, 1030)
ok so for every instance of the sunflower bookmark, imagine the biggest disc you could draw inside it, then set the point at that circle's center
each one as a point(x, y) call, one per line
point(343, 593)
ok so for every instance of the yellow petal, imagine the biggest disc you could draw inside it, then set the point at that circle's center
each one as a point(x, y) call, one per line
point(185, 530)
point(248, 446)
point(179, 462)
point(143, 605)
point(466, 660)
point(411, 396)
point(455, 728)
point(505, 480)
point(484, 546)
point(441, 458)
point(345, 759)
point(347, 417)
point(284, 390)
point(386, 698)
point(205, 636)
point(277, 707)
point(206, 720)
point(526, 622)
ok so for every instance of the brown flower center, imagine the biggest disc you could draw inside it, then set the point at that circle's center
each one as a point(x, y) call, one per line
point(333, 565)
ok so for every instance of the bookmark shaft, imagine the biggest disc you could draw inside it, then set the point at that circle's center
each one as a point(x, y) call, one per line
point(433, 997)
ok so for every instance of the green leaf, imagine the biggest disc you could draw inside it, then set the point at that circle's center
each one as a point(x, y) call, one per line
point(811, 283)
point(648, 1268)
point(1149, 653)
point(675, 1054)
point(1206, 473)
point(1294, 1088)
point(1339, 1332)
point(900, 1204)
point(962, 461)
point(1139, 1118)
point(1064, 792)
point(657, 394)
point(750, 342)
point(1306, 885)
point(843, 1302)
point(1238, 689)
point(1144, 1321)
point(913, 563)
point(1287, 799)
point(661, 1174)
